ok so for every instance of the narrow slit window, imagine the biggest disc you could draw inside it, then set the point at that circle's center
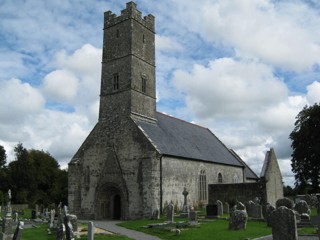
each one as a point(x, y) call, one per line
point(143, 38)
point(115, 81)
point(118, 33)
point(144, 84)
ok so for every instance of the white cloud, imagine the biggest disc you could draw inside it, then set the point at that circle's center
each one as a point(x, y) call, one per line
point(24, 117)
point(230, 88)
point(60, 85)
point(283, 34)
point(165, 43)
point(18, 100)
point(313, 94)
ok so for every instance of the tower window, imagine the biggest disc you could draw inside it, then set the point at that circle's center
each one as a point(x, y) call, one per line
point(115, 81)
point(220, 178)
point(143, 38)
point(118, 33)
point(203, 186)
point(143, 83)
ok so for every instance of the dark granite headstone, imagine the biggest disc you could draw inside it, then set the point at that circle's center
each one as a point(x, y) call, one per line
point(212, 210)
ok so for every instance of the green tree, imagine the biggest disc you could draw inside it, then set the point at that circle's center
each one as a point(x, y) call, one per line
point(35, 177)
point(3, 157)
point(47, 171)
point(305, 139)
point(3, 169)
point(22, 175)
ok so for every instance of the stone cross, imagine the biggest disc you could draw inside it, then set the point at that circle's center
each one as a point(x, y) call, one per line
point(90, 231)
point(283, 223)
point(185, 194)
point(18, 231)
point(185, 208)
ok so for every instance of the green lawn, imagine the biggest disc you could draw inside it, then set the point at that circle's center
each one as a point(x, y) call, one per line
point(215, 229)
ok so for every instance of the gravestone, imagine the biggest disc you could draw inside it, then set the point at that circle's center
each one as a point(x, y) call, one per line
point(302, 207)
point(256, 211)
point(18, 231)
point(61, 233)
point(185, 208)
point(286, 202)
point(37, 211)
point(69, 231)
point(226, 208)
point(240, 206)
point(269, 210)
point(212, 210)
point(15, 217)
point(170, 212)
point(7, 228)
point(193, 216)
point(249, 207)
point(51, 221)
point(238, 220)
point(7, 221)
point(33, 214)
point(74, 223)
point(283, 223)
point(219, 208)
point(90, 231)
point(156, 214)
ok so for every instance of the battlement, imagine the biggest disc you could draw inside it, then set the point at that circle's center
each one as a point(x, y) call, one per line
point(131, 11)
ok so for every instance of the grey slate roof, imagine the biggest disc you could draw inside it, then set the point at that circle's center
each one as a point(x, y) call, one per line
point(175, 137)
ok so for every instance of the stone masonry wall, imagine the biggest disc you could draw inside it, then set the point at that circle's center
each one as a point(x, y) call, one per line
point(180, 173)
point(230, 193)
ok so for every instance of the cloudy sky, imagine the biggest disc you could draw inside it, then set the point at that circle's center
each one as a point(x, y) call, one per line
point(242, 68)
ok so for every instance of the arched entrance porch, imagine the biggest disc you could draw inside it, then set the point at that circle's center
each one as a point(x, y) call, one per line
point(110, 203)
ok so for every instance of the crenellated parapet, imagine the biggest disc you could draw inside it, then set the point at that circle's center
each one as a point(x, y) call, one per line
point(130, 12)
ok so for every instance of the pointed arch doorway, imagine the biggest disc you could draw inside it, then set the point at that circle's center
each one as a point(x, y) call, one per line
point(116, 200)
point(110, 203)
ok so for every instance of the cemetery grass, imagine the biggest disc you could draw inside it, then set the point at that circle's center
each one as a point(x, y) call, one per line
point(217, 228)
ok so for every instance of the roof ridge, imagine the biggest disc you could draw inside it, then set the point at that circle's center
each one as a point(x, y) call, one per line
point(182, 120)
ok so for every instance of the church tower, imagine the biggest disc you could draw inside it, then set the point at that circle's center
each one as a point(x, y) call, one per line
point(128, 86)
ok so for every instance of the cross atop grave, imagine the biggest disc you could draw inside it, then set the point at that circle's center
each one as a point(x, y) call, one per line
point(185, 194)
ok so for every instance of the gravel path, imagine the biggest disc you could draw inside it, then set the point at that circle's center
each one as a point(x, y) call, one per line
point(112, 227)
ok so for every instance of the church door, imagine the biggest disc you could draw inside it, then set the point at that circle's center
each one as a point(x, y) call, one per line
point(116, 207)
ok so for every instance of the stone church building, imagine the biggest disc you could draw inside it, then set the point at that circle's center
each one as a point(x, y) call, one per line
point(135, 159)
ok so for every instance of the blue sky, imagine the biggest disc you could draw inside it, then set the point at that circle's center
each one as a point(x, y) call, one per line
point(242, 68)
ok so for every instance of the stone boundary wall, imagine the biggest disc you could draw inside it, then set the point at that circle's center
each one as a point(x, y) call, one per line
point(230, 193)
point(16, 207)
